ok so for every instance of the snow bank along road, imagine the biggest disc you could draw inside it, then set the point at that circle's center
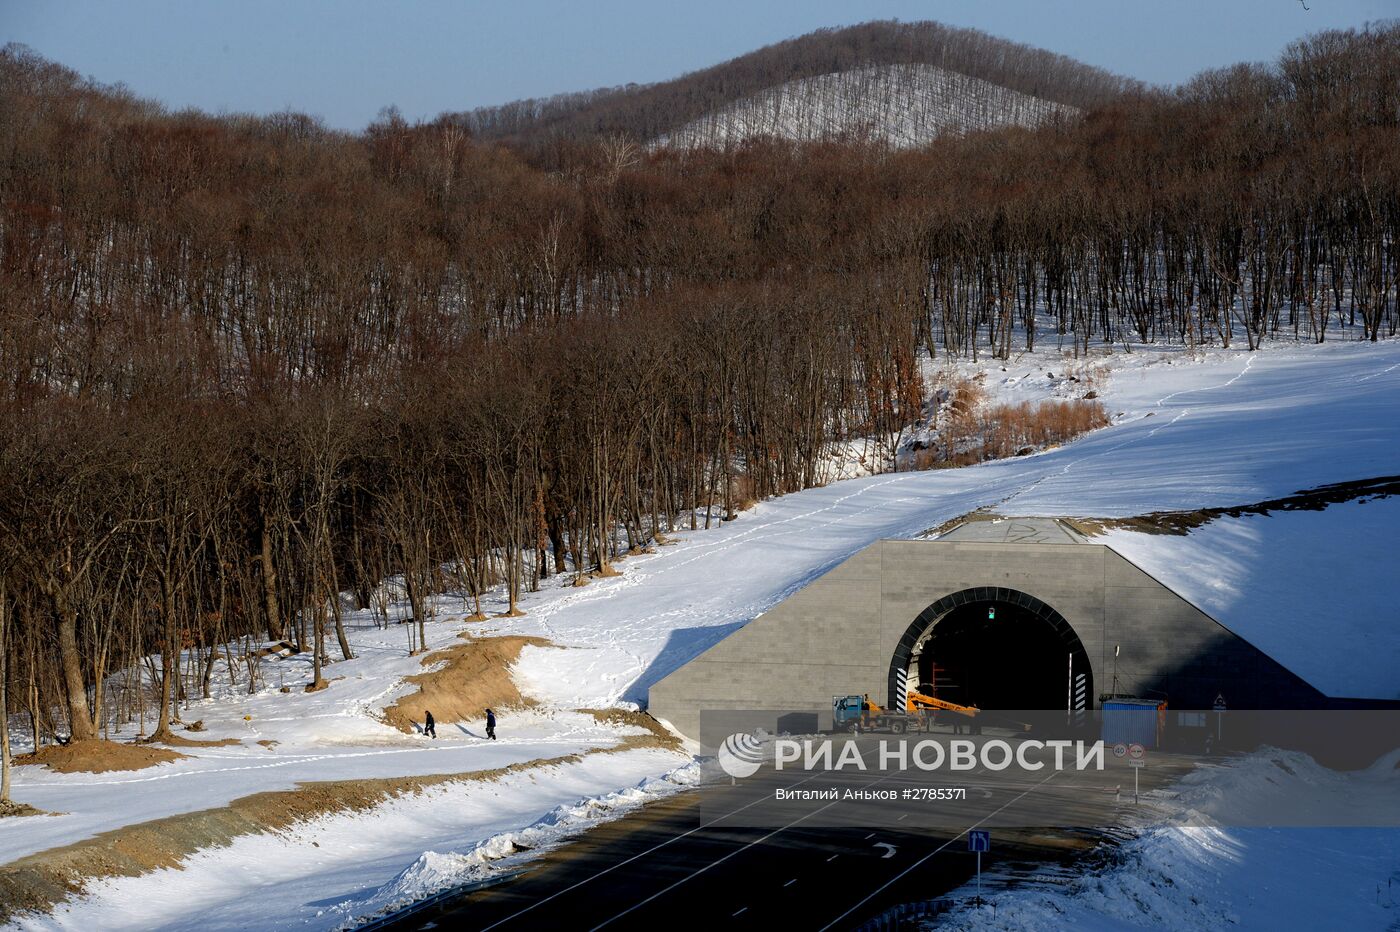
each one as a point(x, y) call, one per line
point(736, 857)
point(1198, 875)
point(1220, 429)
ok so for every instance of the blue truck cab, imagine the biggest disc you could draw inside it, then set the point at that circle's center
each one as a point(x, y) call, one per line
point(847, 712)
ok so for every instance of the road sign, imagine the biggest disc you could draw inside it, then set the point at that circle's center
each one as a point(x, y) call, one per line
point(1120, 750)
point(979, 840)
point(1137, 759)
point(1220, 702)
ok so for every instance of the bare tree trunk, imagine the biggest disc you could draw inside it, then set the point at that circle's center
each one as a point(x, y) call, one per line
point(167, 683)
point(4, 699)
point(345, 651)
point(79, 717)
point(33, 700)
point(275, 630)
point(318, 680)
point(419, 609)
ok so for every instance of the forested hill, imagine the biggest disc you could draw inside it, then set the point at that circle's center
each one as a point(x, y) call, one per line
point(645, 112)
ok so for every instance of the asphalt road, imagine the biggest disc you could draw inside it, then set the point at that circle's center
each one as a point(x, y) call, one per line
point(729, 855)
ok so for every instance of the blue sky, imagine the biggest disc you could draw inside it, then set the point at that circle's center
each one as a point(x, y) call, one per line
point(344, 59)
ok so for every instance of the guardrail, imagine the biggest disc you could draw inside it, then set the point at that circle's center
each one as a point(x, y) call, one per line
point(894, 918)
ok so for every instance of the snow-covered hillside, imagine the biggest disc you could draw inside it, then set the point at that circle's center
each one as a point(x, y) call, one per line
point(1212, 429)
point(902, 105)
point(1226, 428)
point(1313, 589)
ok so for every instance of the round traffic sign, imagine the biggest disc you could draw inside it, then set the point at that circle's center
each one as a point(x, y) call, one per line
point(1136, 751)
point(1120, 749)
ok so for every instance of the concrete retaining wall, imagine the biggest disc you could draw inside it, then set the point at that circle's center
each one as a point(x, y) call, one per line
point(839, 635)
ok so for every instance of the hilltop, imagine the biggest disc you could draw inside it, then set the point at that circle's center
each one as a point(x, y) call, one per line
point(951, 77)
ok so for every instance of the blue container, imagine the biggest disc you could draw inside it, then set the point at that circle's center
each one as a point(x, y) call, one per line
point(1132, 721)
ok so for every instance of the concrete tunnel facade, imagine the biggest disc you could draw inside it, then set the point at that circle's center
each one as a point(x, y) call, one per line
point(861, 628)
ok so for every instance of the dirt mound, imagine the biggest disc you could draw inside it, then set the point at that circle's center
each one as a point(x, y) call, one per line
point(656, 736)
point(9, 807)
point(98, 756)
point(475, 675)
point(1179, 523)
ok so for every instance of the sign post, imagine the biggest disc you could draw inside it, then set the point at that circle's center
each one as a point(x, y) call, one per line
point(1137, 759)
point(1219, 716)
point(979, 840)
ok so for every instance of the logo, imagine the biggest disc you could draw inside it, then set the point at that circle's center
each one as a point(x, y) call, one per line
point(740, 755)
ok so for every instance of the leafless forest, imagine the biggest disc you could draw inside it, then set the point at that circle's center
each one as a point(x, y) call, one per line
point(249, 363)
point(893, 105)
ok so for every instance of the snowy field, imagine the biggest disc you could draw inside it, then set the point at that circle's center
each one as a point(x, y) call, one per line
point(1216, 428)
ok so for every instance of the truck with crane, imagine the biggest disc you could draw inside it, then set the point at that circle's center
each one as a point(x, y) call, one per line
point(857, 713)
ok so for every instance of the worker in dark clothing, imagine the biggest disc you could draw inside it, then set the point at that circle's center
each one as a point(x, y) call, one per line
point(429, 726)
point(491, 724)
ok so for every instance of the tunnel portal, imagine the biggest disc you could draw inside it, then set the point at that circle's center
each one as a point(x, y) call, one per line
point(997, 653)
point(1008, 614)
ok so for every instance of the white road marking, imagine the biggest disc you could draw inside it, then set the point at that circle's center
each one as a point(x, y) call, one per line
point(607, 870)
point(634, 857)
point(790, 882)
point(883, 886)
point(731, 854)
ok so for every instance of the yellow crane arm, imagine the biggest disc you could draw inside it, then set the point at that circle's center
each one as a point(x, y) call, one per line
point(918, 702)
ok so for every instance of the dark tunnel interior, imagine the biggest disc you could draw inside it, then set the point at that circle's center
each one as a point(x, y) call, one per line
point(996, 655)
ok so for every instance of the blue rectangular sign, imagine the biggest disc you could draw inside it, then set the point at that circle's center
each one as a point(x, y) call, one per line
point(979, 840)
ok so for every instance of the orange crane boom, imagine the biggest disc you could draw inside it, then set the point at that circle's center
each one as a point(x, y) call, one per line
point(918, 702)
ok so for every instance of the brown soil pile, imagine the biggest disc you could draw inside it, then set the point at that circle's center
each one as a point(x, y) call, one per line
point(8, 807)
point(655, 737)
point(946, 526)
point(98, 757)
point(39, 881)
point(1183, 522)
point(474, 677)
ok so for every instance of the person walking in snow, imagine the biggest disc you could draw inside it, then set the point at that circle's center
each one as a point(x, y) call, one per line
point(491, 724)
point(429, 726)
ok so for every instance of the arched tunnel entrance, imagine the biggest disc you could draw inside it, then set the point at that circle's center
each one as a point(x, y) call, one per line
point(995, 649)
